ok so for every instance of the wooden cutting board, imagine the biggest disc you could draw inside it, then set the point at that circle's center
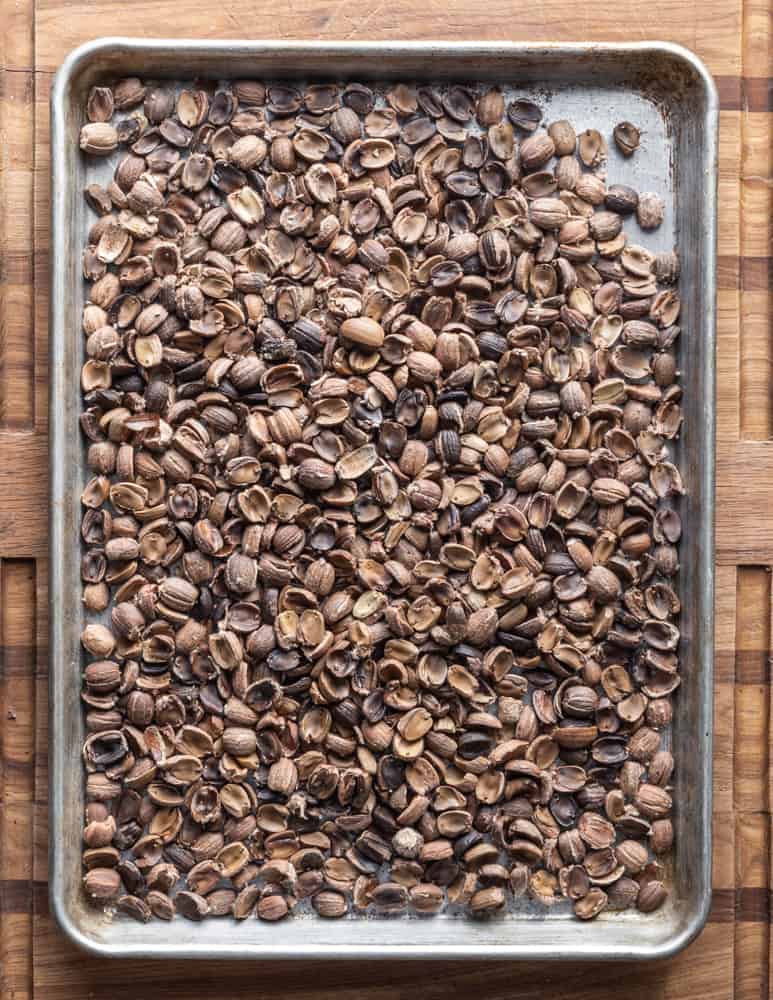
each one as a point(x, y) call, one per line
point(731, 959)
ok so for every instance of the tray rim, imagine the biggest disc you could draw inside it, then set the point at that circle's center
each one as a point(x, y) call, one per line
point(77, 59)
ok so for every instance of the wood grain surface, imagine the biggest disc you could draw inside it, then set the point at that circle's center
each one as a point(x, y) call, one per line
point(731, 960)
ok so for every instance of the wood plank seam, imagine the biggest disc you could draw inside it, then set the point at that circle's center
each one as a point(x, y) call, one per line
point(755, 838)
point(18, 583)
point(17, 297)
point(756, 349)
point(750, 785)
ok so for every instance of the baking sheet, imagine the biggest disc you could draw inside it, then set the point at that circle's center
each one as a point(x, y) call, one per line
point(665, 91)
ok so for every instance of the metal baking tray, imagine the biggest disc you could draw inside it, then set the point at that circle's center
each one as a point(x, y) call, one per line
point(667, 91)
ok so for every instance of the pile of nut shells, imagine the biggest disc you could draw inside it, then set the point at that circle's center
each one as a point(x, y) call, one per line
point(380, 401)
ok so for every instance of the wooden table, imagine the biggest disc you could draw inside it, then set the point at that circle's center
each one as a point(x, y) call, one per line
point(731, 959)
